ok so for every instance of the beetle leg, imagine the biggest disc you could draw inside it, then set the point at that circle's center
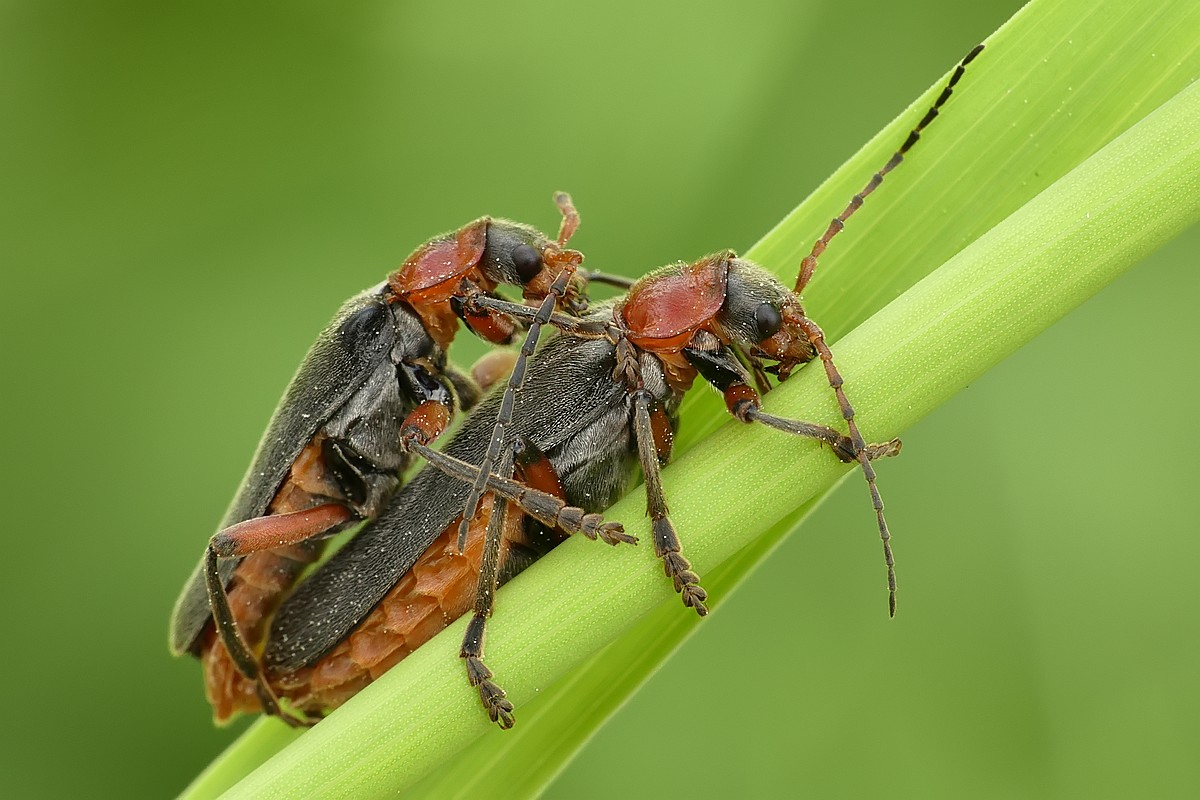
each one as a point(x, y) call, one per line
point(757, 369)
point(666, 541)
point(277, 530)
point(842, 446)
point(429, 419)
point(542, 506)
point(721, 368)
point(244, 538)
point(859, 449)
point(495, 325)
point(563, 322)
point(499, 708)
point(517, 378)
point(425, 422)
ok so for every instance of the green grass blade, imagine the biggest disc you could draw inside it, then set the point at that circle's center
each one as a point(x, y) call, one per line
point(1012, 283)
point(559, 721)
point(1057, 83)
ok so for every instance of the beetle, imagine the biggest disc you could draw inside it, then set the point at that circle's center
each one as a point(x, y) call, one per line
point(720, 318)
point(375, 380)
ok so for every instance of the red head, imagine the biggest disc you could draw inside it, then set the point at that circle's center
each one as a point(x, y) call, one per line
point(478, 258)
point(734, 299)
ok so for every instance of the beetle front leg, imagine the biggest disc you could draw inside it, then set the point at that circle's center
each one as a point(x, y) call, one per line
point(542, 506)
point(720, 368)
point(717, 365)
point(494, 325)
point(242, 539)
point(842, 446)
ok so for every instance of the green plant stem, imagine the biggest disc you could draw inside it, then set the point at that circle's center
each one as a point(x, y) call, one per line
point(1011, 283)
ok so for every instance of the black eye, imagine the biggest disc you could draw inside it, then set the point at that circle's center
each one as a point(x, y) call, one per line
point(768, 320)
point(527, 261)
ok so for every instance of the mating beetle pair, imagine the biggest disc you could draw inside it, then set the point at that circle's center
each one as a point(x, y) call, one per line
point(376, 379)
point(600, 397)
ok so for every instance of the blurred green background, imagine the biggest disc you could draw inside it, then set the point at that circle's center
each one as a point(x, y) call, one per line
point(188, 194)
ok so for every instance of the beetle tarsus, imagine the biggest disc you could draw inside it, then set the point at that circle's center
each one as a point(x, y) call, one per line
point(495, 702)
point(679, 570)
point(612, 533)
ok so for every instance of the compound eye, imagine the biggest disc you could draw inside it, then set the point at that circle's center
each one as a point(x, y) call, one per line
point(527, 261)
point(768, 320)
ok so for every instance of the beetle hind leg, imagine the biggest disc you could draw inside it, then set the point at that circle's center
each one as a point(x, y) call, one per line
point(246, 538)
point(545, 507)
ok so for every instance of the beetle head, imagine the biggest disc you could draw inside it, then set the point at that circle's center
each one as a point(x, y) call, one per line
point(520, 255)
point(490, 252)
point(761, 317)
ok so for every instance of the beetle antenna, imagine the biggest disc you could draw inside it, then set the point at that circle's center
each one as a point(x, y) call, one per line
point(860, 451)
point(816, 336)
point(809, 264)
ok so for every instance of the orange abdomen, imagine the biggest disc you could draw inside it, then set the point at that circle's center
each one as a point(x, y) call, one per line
point(436, 591)
point(261, 582)
point(439, 588)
